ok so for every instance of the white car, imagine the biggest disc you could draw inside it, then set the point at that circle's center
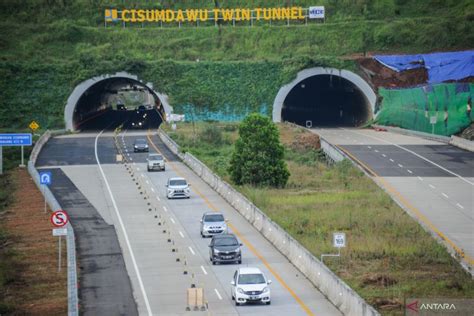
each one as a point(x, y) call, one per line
point(250, 285)
point(177, 188)
point(155, 162)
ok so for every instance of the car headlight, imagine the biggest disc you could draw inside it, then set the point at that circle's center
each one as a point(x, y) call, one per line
point(216, 251)
point(265, 289)
point(240, 290)
point(140, 123)
point(205, 227)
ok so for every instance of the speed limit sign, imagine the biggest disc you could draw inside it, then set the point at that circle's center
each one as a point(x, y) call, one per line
point(59, 218)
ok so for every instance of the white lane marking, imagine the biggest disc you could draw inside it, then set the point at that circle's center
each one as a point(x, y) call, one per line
point(153, 190)
point(376, 150)
point(181, 234)
point(171, 218)
point(192, 251)
point(420, 178)
point(432, 186)
point(147, 182)
point(133, 163)
point(203, 270)
point(445, 195)
point(401, 166)
point(142, 174)
point(138, 169)
point(122, 226)
point(369, 147)
point(418, 155)
point(460, 206)
point(131, 159)
point(164, 208)
point(158, 198)
point(392, 160)
point(218, 294)
point(383, 155)
point(409, 171)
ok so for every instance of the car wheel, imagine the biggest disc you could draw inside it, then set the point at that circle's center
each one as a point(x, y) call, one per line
point(269, 302)
point(233, 298)
point(237, 303)
point(239, 262)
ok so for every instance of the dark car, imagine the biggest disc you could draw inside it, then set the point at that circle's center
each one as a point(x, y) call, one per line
point(225, 248)
point(141, 109)
point(140, 145)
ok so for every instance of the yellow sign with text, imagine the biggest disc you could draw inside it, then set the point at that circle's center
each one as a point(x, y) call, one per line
point(202, 15)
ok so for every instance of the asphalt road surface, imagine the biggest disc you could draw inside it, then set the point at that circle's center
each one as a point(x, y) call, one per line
point(163, 251)
point(433, 181)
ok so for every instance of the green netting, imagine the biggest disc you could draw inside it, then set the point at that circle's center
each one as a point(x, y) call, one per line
point(413, 108)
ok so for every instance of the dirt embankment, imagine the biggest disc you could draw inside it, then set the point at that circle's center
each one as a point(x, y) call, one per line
point(36, 288)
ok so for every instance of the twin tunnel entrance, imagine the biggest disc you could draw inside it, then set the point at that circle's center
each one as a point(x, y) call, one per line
point(323, 97)
point(112, 101)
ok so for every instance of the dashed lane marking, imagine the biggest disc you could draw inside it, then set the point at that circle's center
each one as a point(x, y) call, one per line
point(445, 195)
point(409, 171)
point(181, 234)
point(171, 218)
point(392, 160)
point(218, 294)
point(460, 206)
point(244, 240)
point(432, 186)
point(401, 166)
point(203, 270)
point(192, 251)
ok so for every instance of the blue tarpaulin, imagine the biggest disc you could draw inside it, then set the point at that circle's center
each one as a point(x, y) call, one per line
point(441, 66)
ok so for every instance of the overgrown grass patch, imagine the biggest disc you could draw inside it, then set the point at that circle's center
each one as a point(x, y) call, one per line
point(388, 256)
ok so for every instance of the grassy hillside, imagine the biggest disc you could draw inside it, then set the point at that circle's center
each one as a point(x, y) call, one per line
point(48, 46)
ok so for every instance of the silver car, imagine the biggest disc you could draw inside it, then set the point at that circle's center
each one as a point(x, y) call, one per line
point(177, 188)
point(213, 223)
point(155, 162)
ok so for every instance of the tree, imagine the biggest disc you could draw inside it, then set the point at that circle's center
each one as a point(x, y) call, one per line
point(258, 155)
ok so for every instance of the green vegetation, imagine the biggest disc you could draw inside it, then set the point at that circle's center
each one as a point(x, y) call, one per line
point(257, 158)
point(49, 46)
point(388, 257)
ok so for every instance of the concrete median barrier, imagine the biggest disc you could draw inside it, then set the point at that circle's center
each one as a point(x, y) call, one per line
point(336, 290)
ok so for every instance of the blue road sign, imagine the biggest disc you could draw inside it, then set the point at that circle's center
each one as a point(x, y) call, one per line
point(46, 177)
point(15, 140)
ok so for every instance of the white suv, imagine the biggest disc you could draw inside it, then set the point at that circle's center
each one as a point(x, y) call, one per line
point(155, 162)
point(177, 187)
point(250, 285)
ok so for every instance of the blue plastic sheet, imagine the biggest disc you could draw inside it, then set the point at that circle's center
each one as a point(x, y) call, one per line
point(440, 66)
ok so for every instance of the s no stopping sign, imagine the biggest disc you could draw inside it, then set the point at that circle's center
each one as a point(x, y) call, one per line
point(59, 218)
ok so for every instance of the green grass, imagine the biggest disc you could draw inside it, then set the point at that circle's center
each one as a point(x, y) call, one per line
point(384, 243)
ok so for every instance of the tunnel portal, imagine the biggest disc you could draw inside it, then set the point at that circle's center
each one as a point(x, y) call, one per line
point(325, 100)
point(115, 101)
point(325, 97)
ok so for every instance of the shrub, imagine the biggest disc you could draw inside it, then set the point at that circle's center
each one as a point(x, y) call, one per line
point(257, 158)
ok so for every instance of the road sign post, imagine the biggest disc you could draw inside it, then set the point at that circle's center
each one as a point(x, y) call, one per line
point(338, 241)
point(45, 179)
point(15, 140)
point(59, 219)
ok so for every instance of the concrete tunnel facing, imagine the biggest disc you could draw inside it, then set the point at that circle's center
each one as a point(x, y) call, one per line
point(109, 101)
point(326, 97)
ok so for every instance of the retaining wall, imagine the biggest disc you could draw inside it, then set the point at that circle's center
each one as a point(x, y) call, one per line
point(73, 301)
point(338, 292)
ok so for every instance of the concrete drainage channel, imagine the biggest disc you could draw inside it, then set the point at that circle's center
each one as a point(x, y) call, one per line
point(336, 290)
point(73, 302)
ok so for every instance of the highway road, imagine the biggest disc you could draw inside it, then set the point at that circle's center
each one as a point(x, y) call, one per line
point(155, 232)
point(433, 181)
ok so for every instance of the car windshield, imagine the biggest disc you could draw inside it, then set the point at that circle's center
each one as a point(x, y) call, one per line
point(251, 279)
point(140, 142)
point(178, 182)
point(214, 218)
point(156, 157)
point(226, 242)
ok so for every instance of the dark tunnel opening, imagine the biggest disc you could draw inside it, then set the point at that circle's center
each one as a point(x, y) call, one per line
point(118, 101)
point(326, 101)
